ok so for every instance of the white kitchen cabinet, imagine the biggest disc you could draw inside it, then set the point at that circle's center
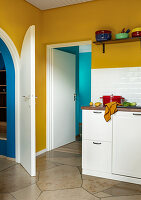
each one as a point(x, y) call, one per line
point(95, 127)
point(96, 156)
point(127, 144)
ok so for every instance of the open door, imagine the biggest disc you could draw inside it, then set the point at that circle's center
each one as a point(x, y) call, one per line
point(27, 103)
point(63, 98)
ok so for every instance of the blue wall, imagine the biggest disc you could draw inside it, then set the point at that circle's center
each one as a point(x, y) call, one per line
point(10, 76)
point(84, 81)
point(2, 65)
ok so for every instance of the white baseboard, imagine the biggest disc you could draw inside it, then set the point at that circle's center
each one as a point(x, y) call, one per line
point(111, 176)
point(41, 152)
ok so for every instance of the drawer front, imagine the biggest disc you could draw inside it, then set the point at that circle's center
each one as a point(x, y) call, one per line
point(94, 126)
point(96, 156)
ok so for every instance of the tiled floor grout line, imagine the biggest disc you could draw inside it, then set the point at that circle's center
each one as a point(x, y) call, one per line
point(66, 164)
point(90, 192)
point(23, 188)
point(12, 195)
point(47, 169)
point(81, 177)
point(61, 189)
point(39, 195)
point(8, 168)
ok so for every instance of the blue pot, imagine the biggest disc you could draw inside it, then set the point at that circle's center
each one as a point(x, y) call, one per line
point(103, 37)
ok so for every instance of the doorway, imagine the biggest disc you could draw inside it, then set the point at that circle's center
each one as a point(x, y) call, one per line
point(81, 94)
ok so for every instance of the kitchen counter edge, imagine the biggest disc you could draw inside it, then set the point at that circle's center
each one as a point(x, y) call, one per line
point(119, 109)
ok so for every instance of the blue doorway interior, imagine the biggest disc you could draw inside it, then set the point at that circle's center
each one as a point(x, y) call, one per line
point(83, 80)
point(7, 110)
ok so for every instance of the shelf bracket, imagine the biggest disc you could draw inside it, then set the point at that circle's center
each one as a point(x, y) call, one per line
point(103, 47)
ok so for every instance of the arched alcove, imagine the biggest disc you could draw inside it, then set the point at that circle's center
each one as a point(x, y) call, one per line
point(9, 110)
point(16, 62)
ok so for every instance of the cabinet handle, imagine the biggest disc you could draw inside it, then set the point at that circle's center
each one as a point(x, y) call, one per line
point(97, 112)
point(96, 142)
point(136, 114)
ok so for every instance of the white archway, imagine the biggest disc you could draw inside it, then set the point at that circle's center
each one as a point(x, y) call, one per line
point(16, 60)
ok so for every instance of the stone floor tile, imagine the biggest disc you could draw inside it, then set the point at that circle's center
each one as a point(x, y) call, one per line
point(95, 178)
point(43, 164)
point(67, 150)
point(4, 196)
point(67, 194)
point(121, 191)
point(29, 193)
point(60, 177)
point(65, 158)
point(134, 197)
point(15, 178)
point(5, 163)
point(102, 195)
point(129, 186)
point(95, 184)
point(74, 145)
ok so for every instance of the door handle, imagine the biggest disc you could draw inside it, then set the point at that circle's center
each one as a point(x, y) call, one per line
point(98, 143)
point(74, 97)
point(97, 112)
point(137, 114)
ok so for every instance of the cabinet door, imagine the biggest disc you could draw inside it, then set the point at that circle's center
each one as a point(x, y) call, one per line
point(127, 144)
point(96, 156)
point(95, 127)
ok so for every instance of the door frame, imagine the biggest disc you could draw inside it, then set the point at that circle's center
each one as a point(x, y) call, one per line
point(49, 88)
point(16, 59)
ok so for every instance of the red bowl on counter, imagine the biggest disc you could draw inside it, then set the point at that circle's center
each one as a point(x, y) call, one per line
point(136, 34)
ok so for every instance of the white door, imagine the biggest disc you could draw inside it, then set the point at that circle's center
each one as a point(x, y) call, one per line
point(27, 103)
point(63, 98)
point(127, 144)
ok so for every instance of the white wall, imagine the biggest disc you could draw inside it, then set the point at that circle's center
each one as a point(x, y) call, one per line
point(125, 82)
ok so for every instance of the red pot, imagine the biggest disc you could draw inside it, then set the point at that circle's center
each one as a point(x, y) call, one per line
point(117, 99)
point(136, 34)
point(108, 99)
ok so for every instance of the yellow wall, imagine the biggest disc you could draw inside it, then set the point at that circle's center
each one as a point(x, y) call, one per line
point(79, 22)
point(15, 18)
point(69, 24)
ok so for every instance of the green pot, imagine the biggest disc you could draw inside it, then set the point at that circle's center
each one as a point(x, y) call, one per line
point(122, 36)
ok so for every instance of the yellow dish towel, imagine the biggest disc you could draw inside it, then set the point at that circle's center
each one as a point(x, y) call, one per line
point(110, 109)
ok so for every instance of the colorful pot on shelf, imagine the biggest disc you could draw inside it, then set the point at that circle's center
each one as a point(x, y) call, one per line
point(136, 32)
point(120, 36)
point(136, 29)
point(103, 35)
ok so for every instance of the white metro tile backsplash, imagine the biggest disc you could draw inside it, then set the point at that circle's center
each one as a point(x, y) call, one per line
point(124, 82)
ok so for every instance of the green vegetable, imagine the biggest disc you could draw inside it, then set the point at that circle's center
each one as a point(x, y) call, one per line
point(126, 104)
point(133, 104)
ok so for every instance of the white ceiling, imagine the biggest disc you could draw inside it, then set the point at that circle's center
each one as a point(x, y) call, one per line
point(49, 4)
